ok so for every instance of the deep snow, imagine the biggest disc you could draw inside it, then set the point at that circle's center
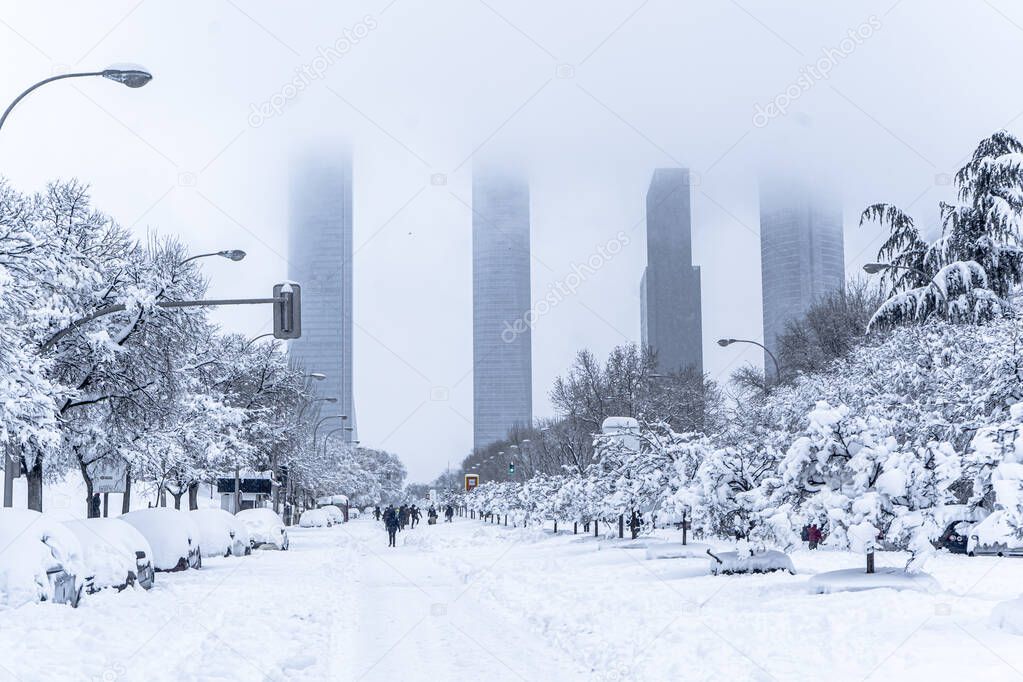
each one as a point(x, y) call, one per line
point(472, 601)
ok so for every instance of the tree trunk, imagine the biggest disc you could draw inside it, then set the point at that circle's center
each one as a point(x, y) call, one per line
point(34, 478)
point(126, 498)
point(193, 496)
point(575, 528)
point(177, 495)
point(870, 561)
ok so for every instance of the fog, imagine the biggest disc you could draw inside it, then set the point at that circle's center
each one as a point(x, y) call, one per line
point(590, 96)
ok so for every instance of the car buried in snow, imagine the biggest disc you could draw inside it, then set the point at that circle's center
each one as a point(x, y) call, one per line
point(172, 534)
point(40, 559)
point(114, 554)
point(995, 536)
point(221, 533)
point(266, 529)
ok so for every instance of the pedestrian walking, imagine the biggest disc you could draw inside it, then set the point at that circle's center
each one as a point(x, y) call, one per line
point(376, 512)
point(814, 535)
point(415, 514)
point(402, 517)
point(391, 524)
point(448, 513)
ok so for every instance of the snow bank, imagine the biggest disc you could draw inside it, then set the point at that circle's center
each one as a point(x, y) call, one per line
point(743, 562)
point(172, 534)
point(1008, 616)
point(31, 546)
point(676, 550)
point(857, 579)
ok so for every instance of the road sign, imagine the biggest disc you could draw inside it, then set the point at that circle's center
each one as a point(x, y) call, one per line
point(471, 481)
point(108, 474)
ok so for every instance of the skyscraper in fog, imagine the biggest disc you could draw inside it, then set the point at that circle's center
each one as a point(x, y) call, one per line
point(502, 363)
point(320, 260)
point(801, 250)
point(671, 319)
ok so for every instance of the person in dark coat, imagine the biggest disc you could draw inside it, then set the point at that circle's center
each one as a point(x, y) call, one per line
point(391, 524)
point(448, 513)
point(376, 512)
point(415, 514)
point(814, 535)
point(402, 517)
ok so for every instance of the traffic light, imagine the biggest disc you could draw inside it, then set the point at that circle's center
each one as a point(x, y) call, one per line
point(511, 468)
point(287, 311)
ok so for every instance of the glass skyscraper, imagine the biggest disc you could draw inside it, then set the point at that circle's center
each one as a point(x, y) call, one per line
point(801, 250)
point(671, 320)
point(320, 260)
point(502, 363)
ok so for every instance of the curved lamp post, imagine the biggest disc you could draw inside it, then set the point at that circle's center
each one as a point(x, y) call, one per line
point(317, 427)
point(728, 342)
point(314, 400)
point(131, 77)
point(232, 254)
point(874, 268)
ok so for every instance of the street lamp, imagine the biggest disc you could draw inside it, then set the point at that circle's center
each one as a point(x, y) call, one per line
point(317, 427)
point(874, 268)
point(314, 400)
point(317, 376)
point(231, 254)
point(133, 77)
point(728, 342)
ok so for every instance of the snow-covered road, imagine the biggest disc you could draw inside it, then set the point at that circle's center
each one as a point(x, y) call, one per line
point(339, 605)
point(472, 601)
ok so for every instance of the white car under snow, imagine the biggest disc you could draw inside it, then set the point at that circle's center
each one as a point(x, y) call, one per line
point(334, 513)
point(266, 529)
point(220, 533)
point(40, 559)
point(315, 518)
point(114, 554)
point(172, 534)
point(995, 535)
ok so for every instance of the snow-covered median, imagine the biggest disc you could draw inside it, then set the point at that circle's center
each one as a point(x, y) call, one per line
point(856, 579)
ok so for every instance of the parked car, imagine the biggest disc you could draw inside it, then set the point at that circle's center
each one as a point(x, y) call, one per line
point(996, 536)
point(955, 537)
point(114, 554)
point(353, 512)
point(315, 518)
point(333, 513)
point(220, 533)
point(40, 559)
point(265, 528)
point(172, 534)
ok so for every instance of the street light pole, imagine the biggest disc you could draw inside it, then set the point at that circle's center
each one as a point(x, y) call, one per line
point(874, 268)
point(133, 78)
point(728, 342)
point(231, 254)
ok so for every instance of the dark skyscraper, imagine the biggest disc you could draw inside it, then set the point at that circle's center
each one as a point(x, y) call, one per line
point(502, 363)
point(320, 259)
point(801, 250)
point(671, 318)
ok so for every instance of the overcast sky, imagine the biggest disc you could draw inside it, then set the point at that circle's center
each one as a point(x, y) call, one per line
point(591, 95)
